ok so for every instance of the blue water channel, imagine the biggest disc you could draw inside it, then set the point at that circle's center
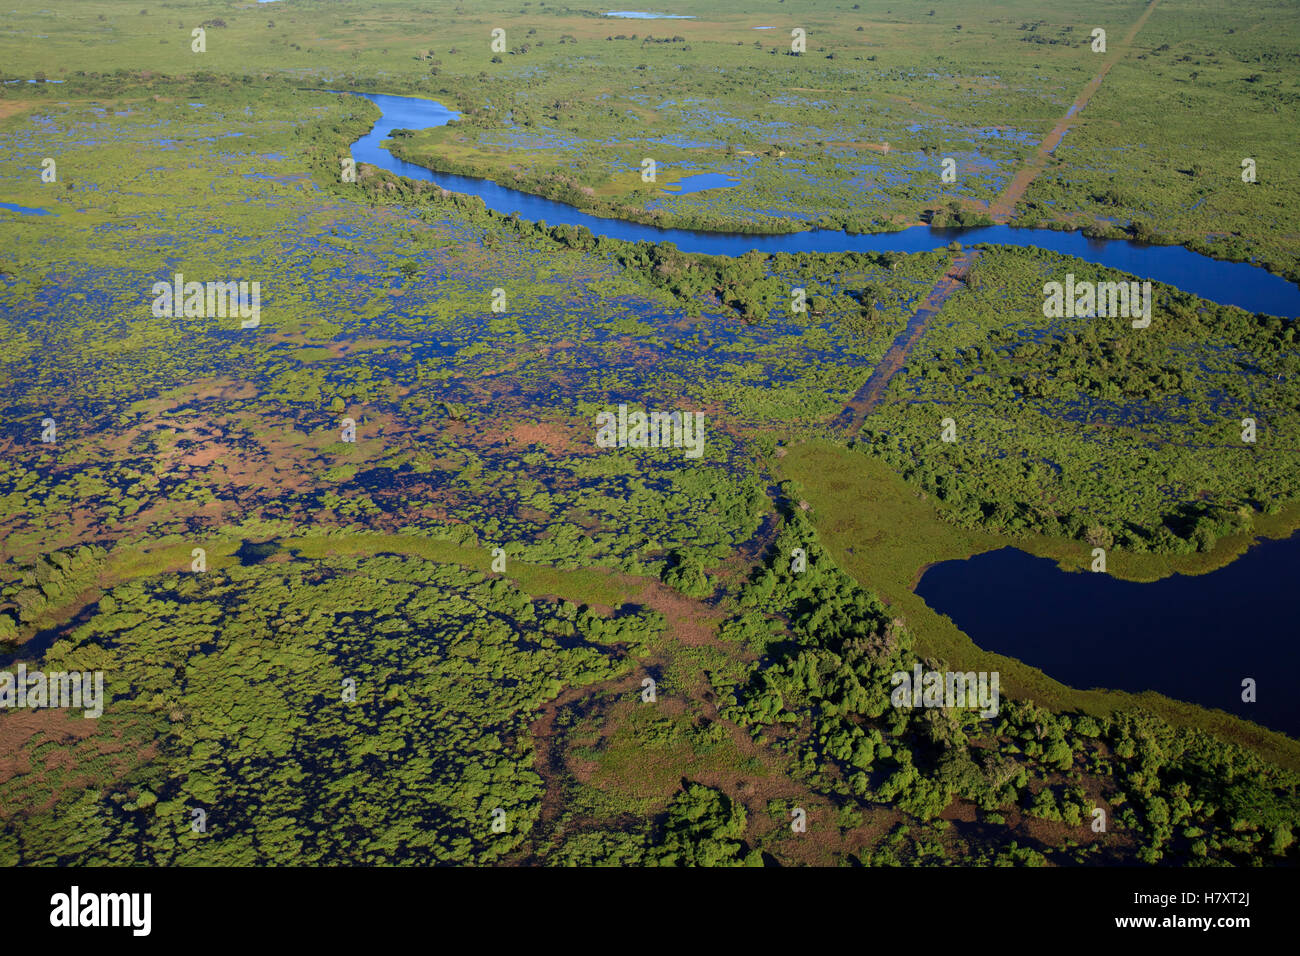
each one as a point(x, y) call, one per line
point(1229, 283)
point(25, 210)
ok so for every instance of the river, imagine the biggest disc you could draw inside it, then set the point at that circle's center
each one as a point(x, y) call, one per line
point(1229, 283)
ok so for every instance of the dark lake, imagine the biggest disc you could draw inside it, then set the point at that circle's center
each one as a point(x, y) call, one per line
point(1190, 638)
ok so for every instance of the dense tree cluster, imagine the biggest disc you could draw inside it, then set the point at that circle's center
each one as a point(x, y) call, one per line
point(1092, 429)
point(824, 695)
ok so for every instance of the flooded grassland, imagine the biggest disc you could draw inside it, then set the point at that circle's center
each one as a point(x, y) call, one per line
point(366, 586)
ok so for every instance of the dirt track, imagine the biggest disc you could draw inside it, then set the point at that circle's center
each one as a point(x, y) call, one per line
point(1001, 209)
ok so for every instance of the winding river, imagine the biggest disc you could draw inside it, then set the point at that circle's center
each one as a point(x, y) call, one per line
point(1229, 283)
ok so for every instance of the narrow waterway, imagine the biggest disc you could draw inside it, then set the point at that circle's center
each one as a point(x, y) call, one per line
point(1229, 283)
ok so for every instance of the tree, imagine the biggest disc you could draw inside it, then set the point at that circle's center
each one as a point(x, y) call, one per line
point(1059, 755)
point(703, 828)
point(685, 573)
